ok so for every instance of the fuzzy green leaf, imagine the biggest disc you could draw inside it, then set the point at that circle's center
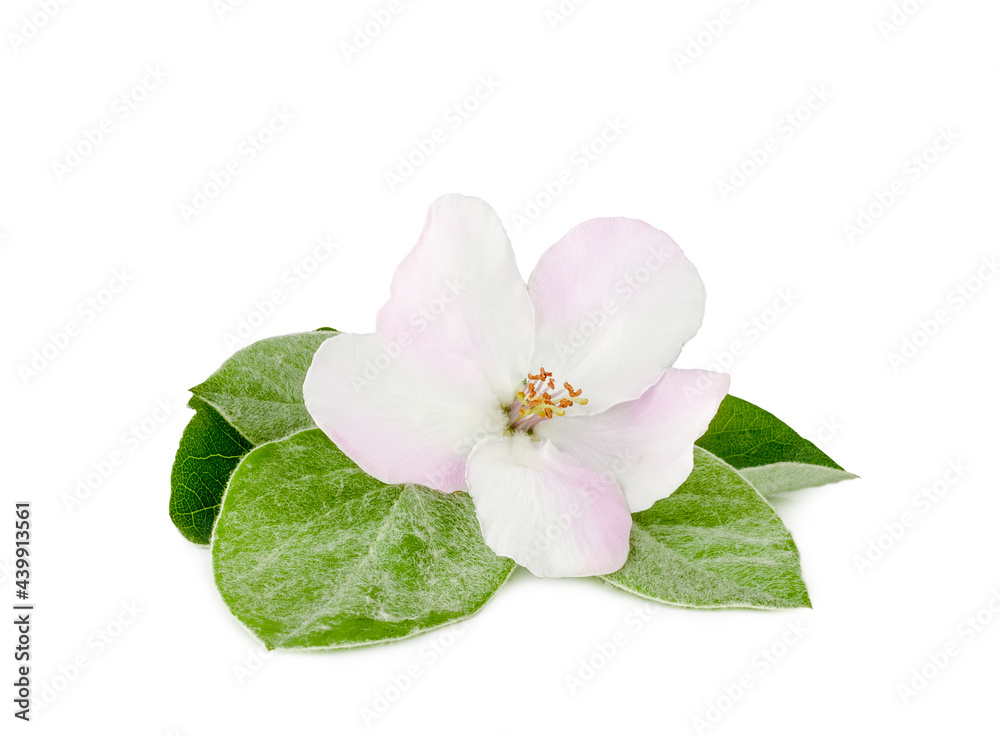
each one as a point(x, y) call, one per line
point(766, 451)
point(259, 389)
point(714, 543)
point(311, 552)
point(255, 397)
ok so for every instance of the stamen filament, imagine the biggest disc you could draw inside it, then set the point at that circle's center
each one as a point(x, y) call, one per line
point(535, 404)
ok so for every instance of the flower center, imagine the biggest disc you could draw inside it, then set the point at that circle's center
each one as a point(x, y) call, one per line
point(540, 400)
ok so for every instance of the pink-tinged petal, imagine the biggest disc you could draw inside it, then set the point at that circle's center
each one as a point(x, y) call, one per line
point(647, 444)
point(459, 291)
point(544, 510)
point(615, 300)
point(402, 413)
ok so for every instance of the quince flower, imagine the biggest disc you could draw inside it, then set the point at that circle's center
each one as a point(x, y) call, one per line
point(552, 403)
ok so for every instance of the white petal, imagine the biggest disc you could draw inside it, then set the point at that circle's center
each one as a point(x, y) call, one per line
point(615, 300)
point(403, 414)
point(646, 444)
point(543, 509)
point(459, 291)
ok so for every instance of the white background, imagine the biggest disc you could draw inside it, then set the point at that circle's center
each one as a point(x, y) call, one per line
point(823, 365)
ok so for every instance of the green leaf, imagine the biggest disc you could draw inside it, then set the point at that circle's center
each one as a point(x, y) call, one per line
point(714, 543)
point(311, 552)
point(209, 452)
point(259, 389)
point(766, 451)
point(255, 397)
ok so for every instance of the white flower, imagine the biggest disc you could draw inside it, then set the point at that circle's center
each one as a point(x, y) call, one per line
point(553, 403)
